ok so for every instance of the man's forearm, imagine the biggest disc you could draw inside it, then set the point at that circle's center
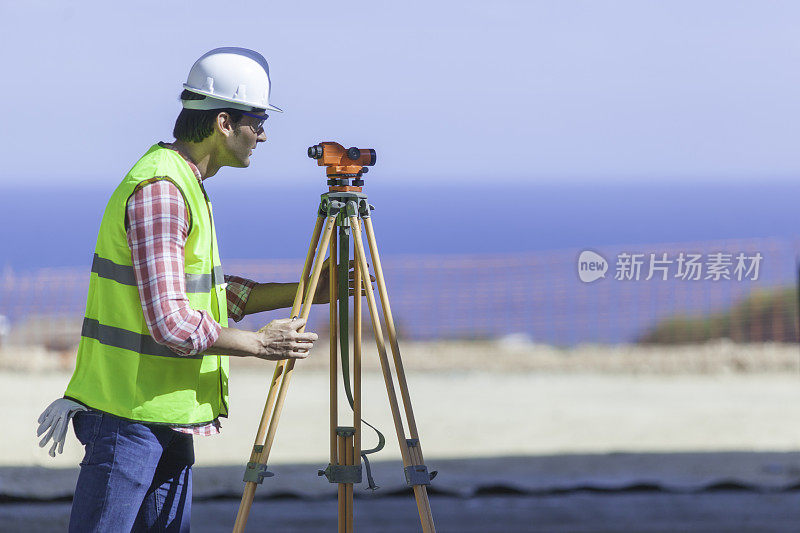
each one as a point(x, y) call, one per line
point(236, 342)
point(280, 339)
point(269, 296)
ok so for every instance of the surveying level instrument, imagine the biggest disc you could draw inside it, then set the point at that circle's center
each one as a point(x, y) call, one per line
point(344, 206)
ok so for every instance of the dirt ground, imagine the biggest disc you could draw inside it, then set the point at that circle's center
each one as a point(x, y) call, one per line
point(487, 400)
point(508, 355)
point(578, 513)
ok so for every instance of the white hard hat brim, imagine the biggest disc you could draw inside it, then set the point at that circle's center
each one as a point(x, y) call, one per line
point(213, 101)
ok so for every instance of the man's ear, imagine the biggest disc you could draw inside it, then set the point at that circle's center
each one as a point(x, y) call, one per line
point(224, 124)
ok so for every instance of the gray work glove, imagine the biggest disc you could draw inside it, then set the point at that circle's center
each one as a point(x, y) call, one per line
point(56, 419)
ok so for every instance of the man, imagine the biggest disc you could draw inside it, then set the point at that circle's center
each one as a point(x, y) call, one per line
point(151, 370)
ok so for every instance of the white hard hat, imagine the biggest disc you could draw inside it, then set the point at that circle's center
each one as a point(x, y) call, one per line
point(230, 77)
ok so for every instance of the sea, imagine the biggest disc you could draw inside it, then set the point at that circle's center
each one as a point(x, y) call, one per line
point(462, 260)
point(57, 226)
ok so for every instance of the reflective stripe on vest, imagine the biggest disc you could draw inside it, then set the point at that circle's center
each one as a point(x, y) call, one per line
point(127, 340)
point(105, 268)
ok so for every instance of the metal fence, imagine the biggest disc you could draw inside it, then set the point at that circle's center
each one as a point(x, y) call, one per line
point(648, 293)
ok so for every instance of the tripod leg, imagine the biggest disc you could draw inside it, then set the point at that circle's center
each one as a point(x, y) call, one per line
point(416, 451)
point(341, 488)
point(420, 492)
point(348, 487)
point(279, 371)
point(286, 368)
point(357, 361)
point(391, 332)
point(376, 326)
point(312, 248)
point(334, 330)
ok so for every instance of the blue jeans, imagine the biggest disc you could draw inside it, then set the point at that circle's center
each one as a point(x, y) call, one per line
point(134, 477)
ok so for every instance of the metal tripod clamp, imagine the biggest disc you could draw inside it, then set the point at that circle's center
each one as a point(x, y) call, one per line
point(342, 473)
point(365, 208)
point(417, 474)
point(352, 209)
point(328, 207)
point(256, 472)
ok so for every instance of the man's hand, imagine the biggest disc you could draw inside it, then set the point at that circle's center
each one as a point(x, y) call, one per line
point(323, 292)
point(280, 339)
point(277, 340)
point(55, 420)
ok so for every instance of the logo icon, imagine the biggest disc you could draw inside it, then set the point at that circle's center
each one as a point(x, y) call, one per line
point(591, 266)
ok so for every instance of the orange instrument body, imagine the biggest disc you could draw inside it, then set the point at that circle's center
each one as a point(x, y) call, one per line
point(343, 164)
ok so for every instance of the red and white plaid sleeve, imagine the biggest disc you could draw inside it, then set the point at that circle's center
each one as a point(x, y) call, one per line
point(236, 294)
point(158, 225)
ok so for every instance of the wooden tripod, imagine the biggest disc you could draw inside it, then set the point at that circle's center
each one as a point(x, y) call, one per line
point(345, 209)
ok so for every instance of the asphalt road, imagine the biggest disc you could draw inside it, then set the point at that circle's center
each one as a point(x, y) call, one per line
point(643, 512)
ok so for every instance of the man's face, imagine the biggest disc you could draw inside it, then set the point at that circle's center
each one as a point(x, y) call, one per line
point(241, 139)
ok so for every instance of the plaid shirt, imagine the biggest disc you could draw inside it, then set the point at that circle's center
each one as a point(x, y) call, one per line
point(157, 224)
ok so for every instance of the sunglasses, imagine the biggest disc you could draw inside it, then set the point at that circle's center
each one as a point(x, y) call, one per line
point(259, 127)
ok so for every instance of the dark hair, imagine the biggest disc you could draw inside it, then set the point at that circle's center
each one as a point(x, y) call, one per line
point(194, 125)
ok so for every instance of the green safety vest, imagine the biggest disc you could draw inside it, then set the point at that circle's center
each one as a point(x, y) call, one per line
point(120, 368)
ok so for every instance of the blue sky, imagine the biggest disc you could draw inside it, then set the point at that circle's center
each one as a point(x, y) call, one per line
point(554, 91)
